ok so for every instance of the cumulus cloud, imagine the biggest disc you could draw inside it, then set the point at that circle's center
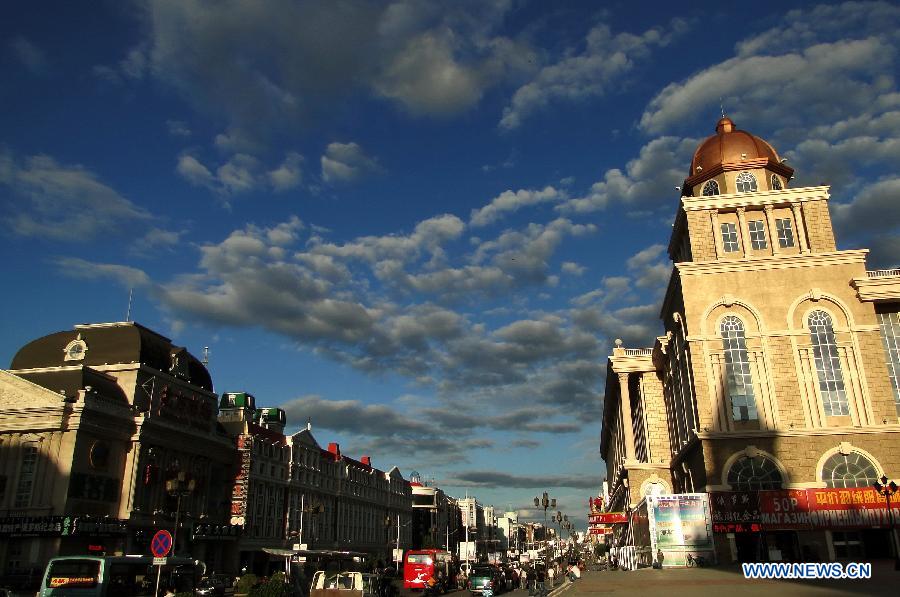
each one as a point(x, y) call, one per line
point(242, 173)
point(648, 181)
point(269, 68)
point(63, 202)
point(345, 162)
point(511, 201)
point(590, 73)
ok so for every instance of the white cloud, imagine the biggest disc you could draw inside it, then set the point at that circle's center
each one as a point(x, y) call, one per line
point(178, 128)
point(242, 173)
point(129, 277)
point(511, 201)
point(64, 202)
point(345, 162)
point(587, 74)
point(156, 240)
point(575, 269)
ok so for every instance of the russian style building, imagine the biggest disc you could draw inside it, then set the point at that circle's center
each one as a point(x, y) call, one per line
point(778, 366)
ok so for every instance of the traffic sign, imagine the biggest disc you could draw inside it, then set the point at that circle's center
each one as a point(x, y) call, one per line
point(160, 561)
point(161, 543)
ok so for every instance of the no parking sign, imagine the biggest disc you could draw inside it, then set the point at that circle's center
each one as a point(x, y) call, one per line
point(161, 543)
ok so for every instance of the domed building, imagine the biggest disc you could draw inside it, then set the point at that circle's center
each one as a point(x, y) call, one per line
point(97, 422)
point(761, 418)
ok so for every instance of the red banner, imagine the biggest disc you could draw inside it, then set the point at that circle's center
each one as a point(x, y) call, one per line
point(599, 531)
point(608, 518)
point(798, 509)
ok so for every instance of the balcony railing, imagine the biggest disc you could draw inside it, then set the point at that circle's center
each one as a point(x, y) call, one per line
point(638, 352)
point(883, 273)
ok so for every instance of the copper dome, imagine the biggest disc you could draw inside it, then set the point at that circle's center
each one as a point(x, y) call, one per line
point(729, 145)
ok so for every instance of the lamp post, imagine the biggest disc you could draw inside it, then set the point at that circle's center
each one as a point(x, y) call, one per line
point(179, 487)
point(888, 489)
point(545, 501)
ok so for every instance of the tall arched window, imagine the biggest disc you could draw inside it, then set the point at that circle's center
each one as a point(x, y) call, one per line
point(776, 183)
point(849, 470)
point(710, 188)
point(745, 183)
point(754, 473)
point(828, 364)
point(737, 370)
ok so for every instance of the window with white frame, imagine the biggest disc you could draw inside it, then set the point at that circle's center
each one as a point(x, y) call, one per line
point(754, 473)
point(776, 183)
point(890, 335)
point(785, 232)
point(745, 183)
point(710, 188)
point(757, 235)
point(828, 364)
point(737, 370)
point(849, 470)
point(729, 237)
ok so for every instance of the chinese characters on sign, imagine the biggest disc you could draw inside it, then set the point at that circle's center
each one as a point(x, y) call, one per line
point(241, 481)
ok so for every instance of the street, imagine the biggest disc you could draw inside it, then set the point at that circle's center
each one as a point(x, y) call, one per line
point(697, 581)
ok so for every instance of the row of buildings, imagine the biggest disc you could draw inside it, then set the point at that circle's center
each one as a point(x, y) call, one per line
point(775, 382)
point(110, 432)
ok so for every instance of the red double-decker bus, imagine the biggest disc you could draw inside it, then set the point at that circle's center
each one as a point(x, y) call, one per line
point(427, 569)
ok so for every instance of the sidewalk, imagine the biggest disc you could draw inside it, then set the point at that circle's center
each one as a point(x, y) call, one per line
point(728, 581)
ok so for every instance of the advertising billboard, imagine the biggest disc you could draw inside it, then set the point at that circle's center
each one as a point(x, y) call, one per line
point(680, 524)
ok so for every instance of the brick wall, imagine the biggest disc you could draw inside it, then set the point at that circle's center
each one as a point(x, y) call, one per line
point(703, 247)
point(818, 226)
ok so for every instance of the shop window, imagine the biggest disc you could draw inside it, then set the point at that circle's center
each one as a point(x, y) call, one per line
point(757, 235)
point(890, 334)
point(754, 473)
point(737, 369)
point(785, 233)
point(849, 470)
point(828, 365)
point(847, 545)
point(745, 183)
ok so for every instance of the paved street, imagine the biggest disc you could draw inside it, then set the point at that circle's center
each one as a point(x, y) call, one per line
point(729, 581)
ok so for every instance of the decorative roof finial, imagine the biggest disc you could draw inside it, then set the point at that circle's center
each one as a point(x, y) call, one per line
point(722, 106)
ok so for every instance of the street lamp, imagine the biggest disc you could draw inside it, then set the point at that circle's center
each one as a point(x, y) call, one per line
point(179, 487)
point(888, 489)
point(545, 501)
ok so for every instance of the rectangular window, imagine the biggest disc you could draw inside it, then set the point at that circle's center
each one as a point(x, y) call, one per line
point(26, 477)
point(785, 233)
point(729, 237)
point(890, 334)
point(757, 235)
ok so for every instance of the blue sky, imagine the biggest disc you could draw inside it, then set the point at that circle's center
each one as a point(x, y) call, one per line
point(419, 224)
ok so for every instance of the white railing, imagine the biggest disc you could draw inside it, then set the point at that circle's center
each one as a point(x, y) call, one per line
point(638, 352)
point(883, 273)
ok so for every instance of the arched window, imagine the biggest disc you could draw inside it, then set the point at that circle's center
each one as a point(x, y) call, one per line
point(776, 183)
point(745, 183)
point(849, 470)
point(737, 369)
point(754, 473)
point(828, 364)
point(710, 188)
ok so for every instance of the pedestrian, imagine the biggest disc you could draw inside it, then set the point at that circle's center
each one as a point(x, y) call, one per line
point(551, 575)
point(523, 578)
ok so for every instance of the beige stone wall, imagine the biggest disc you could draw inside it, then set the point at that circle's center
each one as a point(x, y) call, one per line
point(818, 226)
point(703, 246)
point(655, 414)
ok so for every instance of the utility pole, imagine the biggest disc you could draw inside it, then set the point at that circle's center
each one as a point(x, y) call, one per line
point(396, 559)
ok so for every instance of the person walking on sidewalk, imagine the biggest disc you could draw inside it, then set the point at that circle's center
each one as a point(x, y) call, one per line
point(551, 575)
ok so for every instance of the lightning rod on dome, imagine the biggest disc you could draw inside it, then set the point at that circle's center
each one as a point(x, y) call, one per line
point(722, 106)
point(128, 312)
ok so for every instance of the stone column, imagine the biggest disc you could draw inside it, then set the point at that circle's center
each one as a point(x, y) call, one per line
point(773, 232)
point(801, 227)
point(625, 406)
point(716, 233)
point(742, 226)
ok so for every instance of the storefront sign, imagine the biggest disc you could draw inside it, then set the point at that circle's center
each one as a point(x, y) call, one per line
point(608, 518)
point(600, 531)
point(241, 480)
point(216, 531)
point(679, 524)
point(798, 509)
point(734, 507)
point(31, 526)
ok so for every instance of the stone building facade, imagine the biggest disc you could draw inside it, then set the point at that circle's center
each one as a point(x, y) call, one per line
point(778, 366)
